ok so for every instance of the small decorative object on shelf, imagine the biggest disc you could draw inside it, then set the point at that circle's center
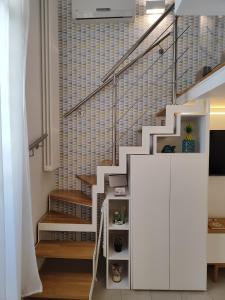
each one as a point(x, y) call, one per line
point(118, 244)
point(216, 224)
point(119, 191)
point(188, 144)
point(119, 217)
point(168, 149)
point(206, 70)
point(203, 72)
point(116, 273)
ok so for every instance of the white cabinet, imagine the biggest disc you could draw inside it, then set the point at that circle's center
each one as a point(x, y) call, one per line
point(169, 221)
point(188, 223)
point(150, 189)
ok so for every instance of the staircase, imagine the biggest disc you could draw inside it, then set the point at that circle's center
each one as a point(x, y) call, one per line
point(172, 127)
point(68, 268)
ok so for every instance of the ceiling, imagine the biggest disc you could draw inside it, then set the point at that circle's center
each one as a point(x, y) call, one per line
point(200, 7)
point(217, 96)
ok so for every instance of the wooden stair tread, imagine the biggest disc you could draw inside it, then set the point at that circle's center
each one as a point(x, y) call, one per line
point(108, 162)
point(71, 196)
point(65, 249)
point(55, 217)
point(161, 113)
point(61, 281)
point(89, 179)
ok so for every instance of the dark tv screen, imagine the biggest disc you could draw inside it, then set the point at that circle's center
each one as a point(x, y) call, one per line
point(217, 153)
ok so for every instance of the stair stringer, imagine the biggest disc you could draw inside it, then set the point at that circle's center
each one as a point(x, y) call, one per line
point(147, 131)
point(193, 109)
point(172, 127)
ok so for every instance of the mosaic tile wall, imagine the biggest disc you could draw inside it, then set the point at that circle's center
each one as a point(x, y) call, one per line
point(87, 51)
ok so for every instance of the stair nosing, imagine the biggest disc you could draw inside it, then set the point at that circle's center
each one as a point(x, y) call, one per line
point(42, 221)
point(86, 181)
point(65, 243)
point(77, 202)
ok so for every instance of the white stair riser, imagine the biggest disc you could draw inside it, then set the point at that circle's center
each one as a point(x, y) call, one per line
point(172, 127)
point(66, 227)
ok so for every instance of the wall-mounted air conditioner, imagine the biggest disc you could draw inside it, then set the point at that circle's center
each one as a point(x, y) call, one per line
point(103, 10)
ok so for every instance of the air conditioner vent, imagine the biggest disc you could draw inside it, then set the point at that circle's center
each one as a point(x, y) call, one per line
point(103, 9)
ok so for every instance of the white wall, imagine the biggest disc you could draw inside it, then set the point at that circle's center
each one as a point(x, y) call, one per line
point(217, 183)
point(41, 182)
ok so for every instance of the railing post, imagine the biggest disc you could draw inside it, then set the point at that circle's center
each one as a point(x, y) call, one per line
point(114, 119)
point(174, 93)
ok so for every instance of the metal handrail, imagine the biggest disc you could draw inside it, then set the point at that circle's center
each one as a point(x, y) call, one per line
point(108, 78)
point(135, 83)
point(92, 94)
point(149, 68)
point(174, 93)
point(37, 142)
point(138, 42)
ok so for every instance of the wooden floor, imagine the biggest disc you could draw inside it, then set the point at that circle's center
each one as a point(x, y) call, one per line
point(89, 179)
point(71, 196)
point(65, 249)
point(59, 218)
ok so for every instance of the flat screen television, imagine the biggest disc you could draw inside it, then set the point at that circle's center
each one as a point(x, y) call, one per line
point(217, 153)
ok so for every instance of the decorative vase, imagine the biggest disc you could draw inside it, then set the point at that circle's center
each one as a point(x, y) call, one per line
point(188, 146)
point(118, 244)
point(117, 218)
point(116, 273)
point(168, 149)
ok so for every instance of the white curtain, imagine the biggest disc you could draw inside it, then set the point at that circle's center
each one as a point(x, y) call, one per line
point(18, 268)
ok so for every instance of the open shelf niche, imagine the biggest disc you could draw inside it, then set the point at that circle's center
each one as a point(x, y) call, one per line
point(125, 281)
point(124, 236)
point(122, 258)
point(118, 205)
point(198, 122)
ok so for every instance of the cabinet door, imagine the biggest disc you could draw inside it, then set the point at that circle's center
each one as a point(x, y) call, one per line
point(150, 188)
point(188, 222)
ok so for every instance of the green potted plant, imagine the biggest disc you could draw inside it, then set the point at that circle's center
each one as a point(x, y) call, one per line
point(188, 144)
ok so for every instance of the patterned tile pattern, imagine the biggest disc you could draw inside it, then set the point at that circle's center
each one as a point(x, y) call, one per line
point(86, 53)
